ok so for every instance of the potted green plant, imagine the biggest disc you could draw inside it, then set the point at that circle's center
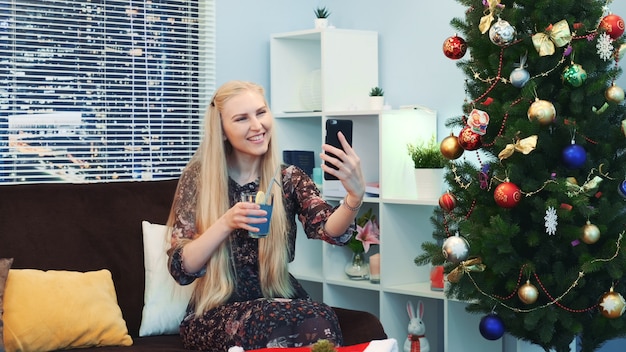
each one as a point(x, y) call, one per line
point(426, 156)
point(377, 92)
point(321, 17)
point(377, 99)
point(428, 163)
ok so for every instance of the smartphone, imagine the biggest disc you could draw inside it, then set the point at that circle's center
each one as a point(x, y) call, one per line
point(332, 127)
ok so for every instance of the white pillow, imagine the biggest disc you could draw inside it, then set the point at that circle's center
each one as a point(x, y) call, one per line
point(164, 300)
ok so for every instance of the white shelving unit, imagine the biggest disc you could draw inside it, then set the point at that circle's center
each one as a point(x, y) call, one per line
point(343, 64)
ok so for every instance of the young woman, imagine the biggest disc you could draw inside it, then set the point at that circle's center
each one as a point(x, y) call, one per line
point(244, 295)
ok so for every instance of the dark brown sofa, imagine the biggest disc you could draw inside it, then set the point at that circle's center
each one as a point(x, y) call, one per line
point(85, 227)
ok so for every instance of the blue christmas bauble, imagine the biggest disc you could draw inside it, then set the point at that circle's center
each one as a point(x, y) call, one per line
point(574, 156)
point(621, 189)
point(519, 77)
point(491, 327)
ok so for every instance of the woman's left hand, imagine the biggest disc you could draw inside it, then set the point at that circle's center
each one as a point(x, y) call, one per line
point(348, 166)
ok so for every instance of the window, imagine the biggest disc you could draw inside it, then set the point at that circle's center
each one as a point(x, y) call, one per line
point(102, 90)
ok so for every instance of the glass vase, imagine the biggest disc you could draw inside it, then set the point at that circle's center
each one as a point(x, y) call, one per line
point(357, 268)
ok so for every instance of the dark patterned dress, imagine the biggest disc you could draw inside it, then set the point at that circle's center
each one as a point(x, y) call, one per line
point(247, 319)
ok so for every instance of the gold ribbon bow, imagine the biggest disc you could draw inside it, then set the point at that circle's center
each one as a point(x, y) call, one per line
point(589, 186)
point(524, 146)
point(485, 21)
point(474, 264)
point(557, 34)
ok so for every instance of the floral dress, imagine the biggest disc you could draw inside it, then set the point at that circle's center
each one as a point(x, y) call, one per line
point(247, 319)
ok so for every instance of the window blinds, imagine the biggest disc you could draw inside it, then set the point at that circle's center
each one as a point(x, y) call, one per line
point(102, 90)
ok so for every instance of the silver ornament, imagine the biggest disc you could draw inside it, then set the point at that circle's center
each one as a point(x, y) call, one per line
point(502, 33)
point(455, 249)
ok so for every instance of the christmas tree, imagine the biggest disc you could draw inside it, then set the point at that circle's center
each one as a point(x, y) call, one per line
point(530, 230)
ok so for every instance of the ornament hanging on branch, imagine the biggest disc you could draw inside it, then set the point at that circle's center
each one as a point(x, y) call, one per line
point(575, 75)
point(491, 327)
point(612, 304)
point(614, 94)
point(605, 46)
point(524, 146)
point(502, 33)
point(528, 293)
point(468, 139)
point(556, 35)
point(590, 233)
point(455, 249)
point(454, 47)
point(551, 221)
point(507, 195)
point(574, 156)
point(493, 6)
point(613, 25)
point(542, 111)
point(621, 189)
point(447, 201)
point(520, 76)
point(478, 121)
point(450, 147)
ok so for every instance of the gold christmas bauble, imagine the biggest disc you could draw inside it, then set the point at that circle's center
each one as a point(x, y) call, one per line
point(528, 293)
point(614, 94)
point(591, 233)
point(543, 111)
point(612, 304)
point(451, 148)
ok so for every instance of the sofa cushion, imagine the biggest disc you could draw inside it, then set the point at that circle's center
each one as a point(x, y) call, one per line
point(165, 301)
point(5, 265)
point(50, 310)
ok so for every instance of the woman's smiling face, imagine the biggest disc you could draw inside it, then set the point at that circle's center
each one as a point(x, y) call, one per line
point(247, 123)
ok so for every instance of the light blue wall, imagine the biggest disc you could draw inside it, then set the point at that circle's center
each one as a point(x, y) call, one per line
point(412, 69)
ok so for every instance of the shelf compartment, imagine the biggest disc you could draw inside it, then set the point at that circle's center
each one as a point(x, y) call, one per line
point(348, 60)
point(395, 319)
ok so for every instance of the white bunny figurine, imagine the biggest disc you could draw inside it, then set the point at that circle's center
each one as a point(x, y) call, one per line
point(416, 341)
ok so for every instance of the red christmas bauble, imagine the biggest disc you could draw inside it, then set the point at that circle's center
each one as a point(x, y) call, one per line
point(613, 25)
point(454, 47)
point(447, 201)
point(469, 139)
point(507, 195)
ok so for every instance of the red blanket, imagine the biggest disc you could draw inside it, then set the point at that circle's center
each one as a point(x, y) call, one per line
point(389, 345)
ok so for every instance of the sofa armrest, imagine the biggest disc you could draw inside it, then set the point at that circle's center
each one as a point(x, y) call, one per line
point(359, 326)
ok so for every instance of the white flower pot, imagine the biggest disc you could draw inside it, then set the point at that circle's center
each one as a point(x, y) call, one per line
point(429, 183)
point(377, 102)
point(321, 23)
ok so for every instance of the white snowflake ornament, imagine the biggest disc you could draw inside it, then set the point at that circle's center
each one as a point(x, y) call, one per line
point(605, 46)
point(551, 221)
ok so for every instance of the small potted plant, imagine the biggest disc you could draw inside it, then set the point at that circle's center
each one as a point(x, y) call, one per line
point(428, 163)
point(321, 17)
point(377, 99)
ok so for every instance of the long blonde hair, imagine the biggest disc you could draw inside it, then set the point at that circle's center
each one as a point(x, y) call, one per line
point(216, 286)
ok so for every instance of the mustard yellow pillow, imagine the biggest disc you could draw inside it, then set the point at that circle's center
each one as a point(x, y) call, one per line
point(50, 310)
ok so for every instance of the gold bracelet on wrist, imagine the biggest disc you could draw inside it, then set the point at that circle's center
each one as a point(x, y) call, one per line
point(349, 207)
